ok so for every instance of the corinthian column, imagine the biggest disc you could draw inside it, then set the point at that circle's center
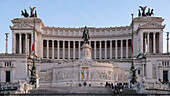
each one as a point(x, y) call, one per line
point(26, 38)
point(79, 49)
point(154, 47)
point(74, 57)
point(47, 49)
point(52, 49)
point(63, 49)
point(110, 49)
point(13, 42)
point(68, 49)
point(105, 49)
point(20, 43)
point(94, 49)
point(148, 42)
point(100, 50)
point(121, 55)
point(127, 48)
point(58, 49)
point(115, 49)
point(6, 42)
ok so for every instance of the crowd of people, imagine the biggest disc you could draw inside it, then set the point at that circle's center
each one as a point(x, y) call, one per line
point(117, 88)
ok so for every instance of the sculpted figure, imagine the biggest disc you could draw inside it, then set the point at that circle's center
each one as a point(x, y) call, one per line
point(32, 10)
point(24, 14)
point(85, 74)
point(143, 10)
point(85, 36)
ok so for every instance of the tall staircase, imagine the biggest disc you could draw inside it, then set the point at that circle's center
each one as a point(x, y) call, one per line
point(71, 90)
point(78, 91)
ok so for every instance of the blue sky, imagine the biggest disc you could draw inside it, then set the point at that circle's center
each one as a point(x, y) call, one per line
point(78, 13)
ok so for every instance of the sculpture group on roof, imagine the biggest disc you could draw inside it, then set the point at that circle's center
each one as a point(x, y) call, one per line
point(149, 13)
point(25, 13)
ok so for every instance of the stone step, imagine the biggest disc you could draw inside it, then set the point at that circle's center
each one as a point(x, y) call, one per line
point(72, 90)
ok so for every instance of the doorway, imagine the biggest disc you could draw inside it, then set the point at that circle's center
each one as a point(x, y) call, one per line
point(7, 76)
point(165, 76)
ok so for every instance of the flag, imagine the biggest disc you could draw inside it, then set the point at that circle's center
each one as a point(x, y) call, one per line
point(32, 50)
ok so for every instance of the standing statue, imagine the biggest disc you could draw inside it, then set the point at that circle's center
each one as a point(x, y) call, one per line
point(86, 36)
point(24, 14)
point(32, 10)
point(143, 10)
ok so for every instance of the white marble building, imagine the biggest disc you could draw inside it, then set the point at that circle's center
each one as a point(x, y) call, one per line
point(57, 47)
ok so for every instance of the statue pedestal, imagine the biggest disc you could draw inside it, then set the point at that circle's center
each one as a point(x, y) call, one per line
point(86, 52)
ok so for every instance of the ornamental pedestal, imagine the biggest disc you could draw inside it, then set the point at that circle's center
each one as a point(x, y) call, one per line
point(85, 52)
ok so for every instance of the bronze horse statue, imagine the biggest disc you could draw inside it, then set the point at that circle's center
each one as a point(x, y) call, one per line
point(24, 14)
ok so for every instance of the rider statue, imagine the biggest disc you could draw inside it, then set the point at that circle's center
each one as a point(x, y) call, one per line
point(85, 36)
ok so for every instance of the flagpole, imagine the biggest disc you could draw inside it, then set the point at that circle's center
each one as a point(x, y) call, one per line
point(132, 42)
point(34, 42)
point(33, 73)
point(133, 70)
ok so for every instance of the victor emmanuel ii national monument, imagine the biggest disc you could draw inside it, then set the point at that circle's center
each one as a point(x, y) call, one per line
point(57, 56)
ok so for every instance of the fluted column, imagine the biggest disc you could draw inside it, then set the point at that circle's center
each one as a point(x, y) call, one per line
point(148, 42)
point(161, 42)
point(68, 49)
point(26, 38)
point(79, 48)
point(115, 49)
point(127, 48)
point(74, 57)
point(63, 49)
point(146, 46)
point(100, 50)
point(13, 42)
point(47, 49)
point(28, 46)
point(105, 49)
point(94, 49)
point(20, 43)
point(110, 49)
point(121, 55)
point(53, 49)
point(58, 49)
point(154, 47)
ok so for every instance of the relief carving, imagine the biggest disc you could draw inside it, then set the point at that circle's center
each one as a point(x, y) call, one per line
point(46, 76)
point(102, 74)
point(62, 75)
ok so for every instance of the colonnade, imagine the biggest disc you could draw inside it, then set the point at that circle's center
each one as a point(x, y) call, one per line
point(108, 49)
point(151, 42)
point(21, 43)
